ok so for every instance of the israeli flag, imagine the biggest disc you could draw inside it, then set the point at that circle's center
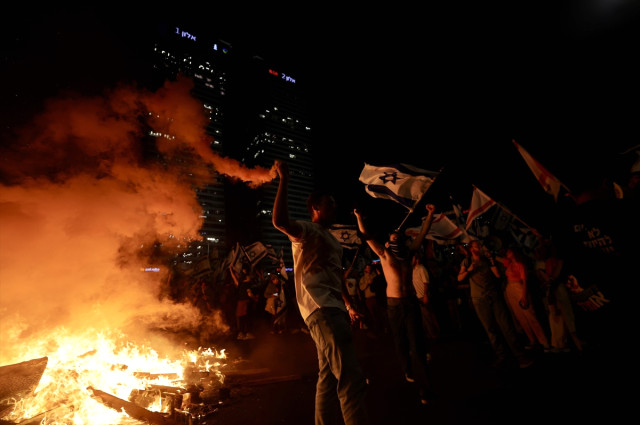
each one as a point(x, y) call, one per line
point(347, 235)
point(402, 183)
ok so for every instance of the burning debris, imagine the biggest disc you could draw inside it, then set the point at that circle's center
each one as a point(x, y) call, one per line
point(188, 396)
point(83, 195)
point(18, 381)
point(193, 398)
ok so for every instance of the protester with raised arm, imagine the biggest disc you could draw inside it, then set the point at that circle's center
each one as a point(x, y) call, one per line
point(403, 309)
point(324, 304)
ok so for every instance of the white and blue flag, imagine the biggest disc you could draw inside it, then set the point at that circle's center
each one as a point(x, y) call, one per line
point(347, 235)
point(402, 183)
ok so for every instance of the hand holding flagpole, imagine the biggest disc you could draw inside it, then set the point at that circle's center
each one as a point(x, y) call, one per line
point(415, 204)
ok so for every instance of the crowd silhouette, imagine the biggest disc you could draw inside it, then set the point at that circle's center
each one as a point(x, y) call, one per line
point(558, 309)
point(565, 293)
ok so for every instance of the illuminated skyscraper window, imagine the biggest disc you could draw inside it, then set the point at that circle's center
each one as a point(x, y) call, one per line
point(257, 115)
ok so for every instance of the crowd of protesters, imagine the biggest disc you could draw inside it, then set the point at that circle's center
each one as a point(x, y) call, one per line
point(568, 291)
point(552, 300)
point(557, 306)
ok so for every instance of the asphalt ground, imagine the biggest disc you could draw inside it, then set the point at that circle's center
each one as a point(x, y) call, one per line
point(272, 379)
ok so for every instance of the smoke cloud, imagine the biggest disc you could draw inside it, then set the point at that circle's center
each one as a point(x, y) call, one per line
point(88, 188)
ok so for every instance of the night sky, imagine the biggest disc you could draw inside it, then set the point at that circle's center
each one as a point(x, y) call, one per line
point(445, 88)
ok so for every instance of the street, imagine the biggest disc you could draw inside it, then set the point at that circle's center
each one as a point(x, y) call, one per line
point(557, 388)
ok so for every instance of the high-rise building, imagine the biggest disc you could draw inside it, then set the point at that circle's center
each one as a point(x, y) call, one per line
point(257, 115)
point(181, 51)
point(281, 131)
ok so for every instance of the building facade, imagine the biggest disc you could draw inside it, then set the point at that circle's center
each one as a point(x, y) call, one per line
point(257, 114)
point(282, 131)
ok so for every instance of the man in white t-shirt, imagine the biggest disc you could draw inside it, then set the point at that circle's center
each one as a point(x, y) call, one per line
point(324, 303)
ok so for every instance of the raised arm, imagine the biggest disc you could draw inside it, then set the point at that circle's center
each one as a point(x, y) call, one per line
point(233, 275)
point(426, 224)
point(376, 247)
point(280, 218)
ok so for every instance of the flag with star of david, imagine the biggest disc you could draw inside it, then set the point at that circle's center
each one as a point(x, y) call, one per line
point(347, 235)
point(254, 253)
point(402, 183)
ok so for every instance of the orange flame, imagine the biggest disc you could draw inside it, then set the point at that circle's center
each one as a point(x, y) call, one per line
point(105, 361)
point(79, 199)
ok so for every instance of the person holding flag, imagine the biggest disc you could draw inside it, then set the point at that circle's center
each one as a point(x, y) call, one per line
point(276, 303)
point(403, 309)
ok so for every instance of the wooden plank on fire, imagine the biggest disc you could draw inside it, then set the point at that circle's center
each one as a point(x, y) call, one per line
point(19, 380)
point(132, 409)
point(167, 389)
point(149, 375)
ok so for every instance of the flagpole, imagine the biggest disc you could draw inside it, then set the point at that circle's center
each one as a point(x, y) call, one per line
point(405, 219)
point(415, 204)
point(245, 253)
point(353, 262)
point(355, 256)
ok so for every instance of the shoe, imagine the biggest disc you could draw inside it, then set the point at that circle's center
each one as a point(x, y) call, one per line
point(241, 336)
point(424, 401)
point(249, 335)
point(409, 378)
point(548, 349)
